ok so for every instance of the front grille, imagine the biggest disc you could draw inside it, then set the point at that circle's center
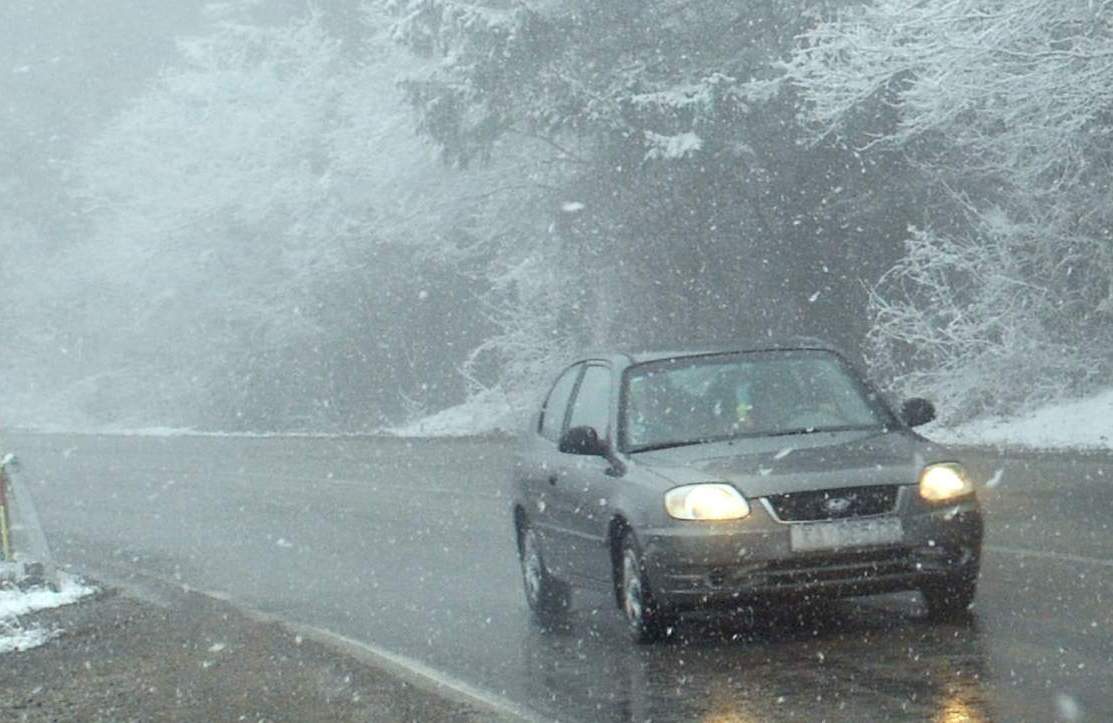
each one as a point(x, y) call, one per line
point(851, 567)
point(799, 572)
point(836, 504)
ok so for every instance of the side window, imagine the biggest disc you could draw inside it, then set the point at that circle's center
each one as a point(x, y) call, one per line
point(592, 407)
point(552, 416)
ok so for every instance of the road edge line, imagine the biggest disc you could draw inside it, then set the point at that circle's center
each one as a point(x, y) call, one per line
point(443, 684)
point(414, 672)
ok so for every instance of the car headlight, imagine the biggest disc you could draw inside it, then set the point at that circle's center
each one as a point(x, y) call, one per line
point(942, 482)
point(706, 502)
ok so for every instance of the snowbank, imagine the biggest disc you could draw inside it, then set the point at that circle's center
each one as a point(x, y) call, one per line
point(489, 413)
point(1079, 424)
point(1075, 424)
point(179, 432)
point(15, 602)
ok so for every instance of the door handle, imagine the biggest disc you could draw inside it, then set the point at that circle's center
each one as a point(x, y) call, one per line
point(552, 479)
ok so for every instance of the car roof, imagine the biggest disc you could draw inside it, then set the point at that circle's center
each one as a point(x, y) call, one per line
point(788, 344)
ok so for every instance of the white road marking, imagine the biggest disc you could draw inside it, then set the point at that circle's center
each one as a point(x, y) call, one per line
point(416, 672)
point(1040, 554)
point(403, 664)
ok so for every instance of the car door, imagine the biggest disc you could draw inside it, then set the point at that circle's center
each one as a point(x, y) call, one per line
point(580, 497)
point(539, 465)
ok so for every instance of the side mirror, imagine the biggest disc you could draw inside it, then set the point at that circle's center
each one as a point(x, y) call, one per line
point(584, 441)
point(916, 412)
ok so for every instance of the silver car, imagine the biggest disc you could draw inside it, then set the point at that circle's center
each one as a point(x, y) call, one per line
point(713, 480)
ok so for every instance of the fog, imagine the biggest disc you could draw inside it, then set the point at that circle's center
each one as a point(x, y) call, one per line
point(169, 252)
point(276, 216)
point(276, 277)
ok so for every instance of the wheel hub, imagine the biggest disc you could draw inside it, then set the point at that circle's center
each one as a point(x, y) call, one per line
point(632, 595)
point(531, 566)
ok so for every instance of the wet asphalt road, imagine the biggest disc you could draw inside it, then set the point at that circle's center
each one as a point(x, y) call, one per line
point(408, 545)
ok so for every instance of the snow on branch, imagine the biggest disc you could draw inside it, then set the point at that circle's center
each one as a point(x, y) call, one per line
point(1005, 105)
point(680, 145)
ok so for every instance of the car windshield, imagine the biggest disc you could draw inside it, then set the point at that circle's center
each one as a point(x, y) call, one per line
point(676, 402)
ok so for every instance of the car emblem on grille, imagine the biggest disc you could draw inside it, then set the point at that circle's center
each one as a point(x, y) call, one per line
point(837, 505)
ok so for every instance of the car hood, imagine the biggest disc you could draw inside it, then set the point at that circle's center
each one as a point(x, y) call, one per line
point(776, 465)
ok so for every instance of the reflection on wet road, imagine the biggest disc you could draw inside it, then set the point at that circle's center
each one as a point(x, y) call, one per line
point(1026, 654)
point(407, 545)
point(849, 662)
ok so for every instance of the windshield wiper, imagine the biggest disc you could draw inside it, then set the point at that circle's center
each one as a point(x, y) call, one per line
point(752, 435)
point(669, 445)
point(820, 430)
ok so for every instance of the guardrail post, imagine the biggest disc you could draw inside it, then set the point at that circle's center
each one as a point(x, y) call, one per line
point(5, 523)
point(26, 555)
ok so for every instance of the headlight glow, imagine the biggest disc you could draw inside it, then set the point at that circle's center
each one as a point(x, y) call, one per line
point(710, 501)
point(942, 482)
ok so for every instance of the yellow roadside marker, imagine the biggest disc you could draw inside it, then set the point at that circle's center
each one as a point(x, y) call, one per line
point(5, 541)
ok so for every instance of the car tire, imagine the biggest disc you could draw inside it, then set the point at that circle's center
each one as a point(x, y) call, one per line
point(548, 598)
point(950, 600)
point(645, 620)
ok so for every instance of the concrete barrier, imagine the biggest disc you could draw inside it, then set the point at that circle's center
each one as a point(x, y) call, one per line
point(25, 556)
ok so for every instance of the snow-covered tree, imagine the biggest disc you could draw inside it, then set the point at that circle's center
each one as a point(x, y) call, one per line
point(208, 197)
point(683, 209)
point(1006, 109)
point(270, 240)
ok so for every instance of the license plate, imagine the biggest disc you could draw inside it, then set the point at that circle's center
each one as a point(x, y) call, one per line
point(846, 533)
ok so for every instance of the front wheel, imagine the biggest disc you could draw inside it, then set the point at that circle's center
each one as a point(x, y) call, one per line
point(950, 600)
point(644, 619)
point(548, 597)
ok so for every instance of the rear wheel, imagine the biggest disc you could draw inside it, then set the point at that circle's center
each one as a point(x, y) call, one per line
point(950, 600)
point(548, 597)
point(644, 618)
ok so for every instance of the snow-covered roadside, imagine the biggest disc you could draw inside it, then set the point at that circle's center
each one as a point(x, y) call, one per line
point(15, 602)
point(485, 414)
point(1074, 424)
point(174, 432)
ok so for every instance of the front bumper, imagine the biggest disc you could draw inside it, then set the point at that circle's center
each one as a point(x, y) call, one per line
point(697, 565)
